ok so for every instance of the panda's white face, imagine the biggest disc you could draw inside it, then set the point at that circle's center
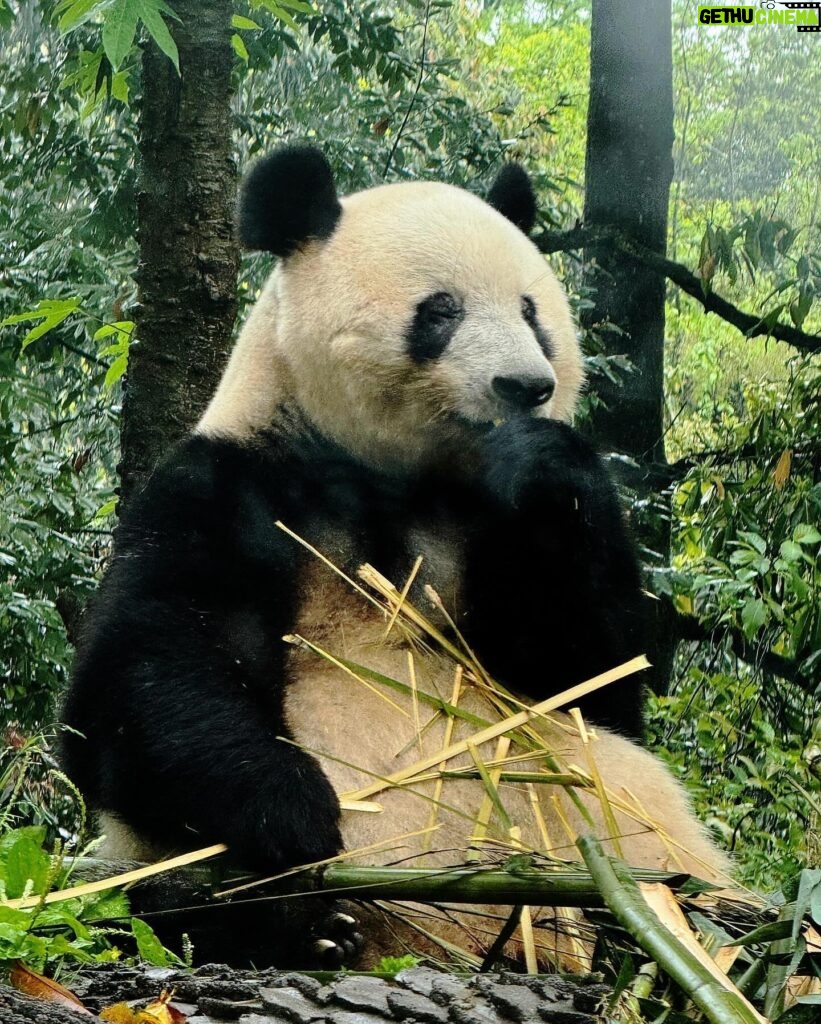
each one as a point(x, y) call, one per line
point(424, 317)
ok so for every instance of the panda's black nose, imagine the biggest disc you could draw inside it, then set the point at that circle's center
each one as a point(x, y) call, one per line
point(524, 392)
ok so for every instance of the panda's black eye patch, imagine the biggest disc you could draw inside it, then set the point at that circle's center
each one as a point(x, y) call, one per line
point(434, 324)
point(530, 315)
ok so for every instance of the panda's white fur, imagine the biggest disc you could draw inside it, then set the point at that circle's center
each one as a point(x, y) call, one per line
point(327, 338)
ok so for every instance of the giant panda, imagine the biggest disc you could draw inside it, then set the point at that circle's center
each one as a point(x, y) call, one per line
point(403, 387)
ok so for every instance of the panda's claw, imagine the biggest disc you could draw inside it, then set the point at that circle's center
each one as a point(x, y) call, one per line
point(328, 954)
point(341, 942)
point(340, 921)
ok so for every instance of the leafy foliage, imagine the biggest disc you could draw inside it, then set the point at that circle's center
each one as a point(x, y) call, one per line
point(43, 935)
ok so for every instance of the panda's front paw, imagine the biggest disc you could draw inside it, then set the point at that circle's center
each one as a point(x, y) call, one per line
point(335, 940)
point(309, 823)
point(296, 823)
point(533, 460)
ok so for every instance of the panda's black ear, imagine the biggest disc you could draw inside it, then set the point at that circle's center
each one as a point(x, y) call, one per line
point(286, 198)
point(513, 196)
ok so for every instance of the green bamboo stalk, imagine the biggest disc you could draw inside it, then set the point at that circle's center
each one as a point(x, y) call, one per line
point(621, 894)
point(530, 887)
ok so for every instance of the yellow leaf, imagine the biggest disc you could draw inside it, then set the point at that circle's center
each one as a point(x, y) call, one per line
point(119, 1013)
point(161, 1011)
point(782, 469)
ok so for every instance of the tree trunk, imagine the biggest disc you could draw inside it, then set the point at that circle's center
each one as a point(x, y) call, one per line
point(188, 257)
point(629, 168)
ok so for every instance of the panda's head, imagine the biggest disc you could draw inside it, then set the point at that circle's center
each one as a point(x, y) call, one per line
point(401, 320)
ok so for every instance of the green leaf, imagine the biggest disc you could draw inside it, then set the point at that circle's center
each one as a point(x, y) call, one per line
point(754, 540)
point(119, 29)
point(240, 49)
point(238, 21)
point(149, 946)
point(790, 551)
point(149, 11)
point(116, 370)
point(51, 313)
point(804, 533)
point(26, 862)
point(107, 906)
point(809, 887)
point(753, 616)
point(17, 920)
point(119, 327)
point(106, 509)
point(298, 5)
point(280, 14)
point(77, 12)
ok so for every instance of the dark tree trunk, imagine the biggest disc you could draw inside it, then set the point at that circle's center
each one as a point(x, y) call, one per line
point(629, 167)
point(188, 257)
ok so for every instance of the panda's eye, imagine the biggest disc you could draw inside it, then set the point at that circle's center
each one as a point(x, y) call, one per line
point(440, 306)
point(530, 315)
point(529, 310)
point(434, 323)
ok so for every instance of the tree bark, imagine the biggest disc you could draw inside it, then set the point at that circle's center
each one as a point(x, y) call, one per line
point(628, 171)
point(629, 167)
point(188, 256)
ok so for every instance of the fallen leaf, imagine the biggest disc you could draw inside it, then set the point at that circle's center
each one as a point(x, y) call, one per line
point(24, 979)
point(160, 1011)
point(119, 1013)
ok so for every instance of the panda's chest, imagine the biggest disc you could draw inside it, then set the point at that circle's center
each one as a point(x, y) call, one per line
point(353, 676)
point(338, 603)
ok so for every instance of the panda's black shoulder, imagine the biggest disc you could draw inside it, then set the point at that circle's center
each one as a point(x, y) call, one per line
point(209, 484)
point(186, 479)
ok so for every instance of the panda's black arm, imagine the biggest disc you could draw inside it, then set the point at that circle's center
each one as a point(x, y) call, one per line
point(553, 587)
point(179, 680)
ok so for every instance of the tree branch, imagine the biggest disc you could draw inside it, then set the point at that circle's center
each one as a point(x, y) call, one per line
point(653, 477)
point(752, 326)
point(688, 627)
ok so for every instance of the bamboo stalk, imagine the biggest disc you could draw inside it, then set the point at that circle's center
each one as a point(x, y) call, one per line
point(719, 1003)
point(535, 887)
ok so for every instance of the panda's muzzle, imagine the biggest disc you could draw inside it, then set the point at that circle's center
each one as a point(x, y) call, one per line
point(523, 393)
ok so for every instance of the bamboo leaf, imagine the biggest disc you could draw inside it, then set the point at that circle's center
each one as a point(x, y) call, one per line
point(119, 29)
point(149, 11)
point(75, 13)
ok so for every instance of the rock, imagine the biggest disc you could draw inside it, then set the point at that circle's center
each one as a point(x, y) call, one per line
point(370, 994)
point(291, 1005)
point(416, 1007)
point(517, 1002)
point(474, 1011)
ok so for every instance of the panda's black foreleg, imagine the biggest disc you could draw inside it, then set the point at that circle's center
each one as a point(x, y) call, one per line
point(182, 751)
point(553, 586)
point(178, 685)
